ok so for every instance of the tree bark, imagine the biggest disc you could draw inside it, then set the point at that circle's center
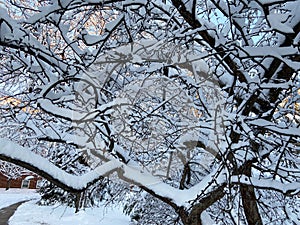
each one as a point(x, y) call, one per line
point(249, 200)
point(195, 214)
point(8, 184)
point(78, 201)
point(250, 207)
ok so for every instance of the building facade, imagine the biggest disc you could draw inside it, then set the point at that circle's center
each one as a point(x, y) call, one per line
point(29, 181)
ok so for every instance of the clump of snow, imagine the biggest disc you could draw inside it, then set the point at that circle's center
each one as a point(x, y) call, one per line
point(277, 22)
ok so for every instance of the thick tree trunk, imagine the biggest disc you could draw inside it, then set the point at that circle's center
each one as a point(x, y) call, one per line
point(8, 184)
point(194, 217)
point(250, 207)
point(78, 201)
point(249, 200)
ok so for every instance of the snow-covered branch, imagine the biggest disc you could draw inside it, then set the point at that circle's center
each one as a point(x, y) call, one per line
point(267, 184)
point(17, 154)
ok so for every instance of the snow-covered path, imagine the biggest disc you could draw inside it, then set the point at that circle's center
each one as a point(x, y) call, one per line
point(7, 212)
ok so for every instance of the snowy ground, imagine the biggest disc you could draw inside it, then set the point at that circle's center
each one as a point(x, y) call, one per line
point(16, 195)
point(31, 214)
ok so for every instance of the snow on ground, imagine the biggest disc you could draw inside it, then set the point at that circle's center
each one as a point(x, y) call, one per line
point(31, 214)
point(13, 195)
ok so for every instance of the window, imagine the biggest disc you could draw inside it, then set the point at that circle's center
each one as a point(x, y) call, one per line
point(25, 183)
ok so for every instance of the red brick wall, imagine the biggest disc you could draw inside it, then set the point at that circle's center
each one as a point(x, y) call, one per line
point(17, 183)
point(3, 180)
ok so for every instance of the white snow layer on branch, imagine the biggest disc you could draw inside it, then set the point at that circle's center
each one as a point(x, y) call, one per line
point(155, 51)
point(12, 33)
point(292, 131)
point(134, 174)
point(69, 114)
point(270, 2)
point(128, 173)
point(72, 115)
point(271, 51)
point(17, 152)
point(269, 184)
point(277, 23)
